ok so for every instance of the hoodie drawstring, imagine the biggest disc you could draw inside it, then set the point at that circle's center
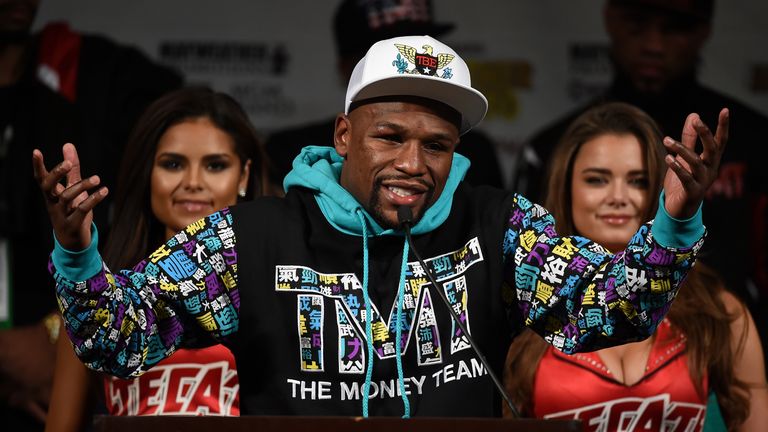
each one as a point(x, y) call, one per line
point(368, 323)
point(399, 331)
point(368, 331)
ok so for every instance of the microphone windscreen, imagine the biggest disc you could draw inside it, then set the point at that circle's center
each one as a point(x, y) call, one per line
point(404, 216)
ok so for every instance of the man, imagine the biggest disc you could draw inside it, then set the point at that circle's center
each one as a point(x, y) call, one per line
point(56, 85)
point(356, 26)
point(655, 48)
point(299, 287)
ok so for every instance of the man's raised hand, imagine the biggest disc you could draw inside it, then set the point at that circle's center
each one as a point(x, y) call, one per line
point(70, 205)
point(690, 174)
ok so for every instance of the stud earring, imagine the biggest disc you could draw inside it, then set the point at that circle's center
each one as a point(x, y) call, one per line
point(241, 193)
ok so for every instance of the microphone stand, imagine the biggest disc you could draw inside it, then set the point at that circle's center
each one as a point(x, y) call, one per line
point(405, 219)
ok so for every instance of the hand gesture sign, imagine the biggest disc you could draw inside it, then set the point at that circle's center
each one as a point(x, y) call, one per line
point(690, 175)
point(70, 206)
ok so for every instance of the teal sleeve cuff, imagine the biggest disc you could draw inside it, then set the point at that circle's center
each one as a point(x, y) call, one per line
point(676, 233)
point(78, 265)
point(713, 420)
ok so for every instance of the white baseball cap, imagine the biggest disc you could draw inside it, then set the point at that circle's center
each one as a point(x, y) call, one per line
point(417, 66)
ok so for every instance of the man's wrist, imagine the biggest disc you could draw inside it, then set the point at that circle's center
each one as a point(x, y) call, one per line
point(676, 233)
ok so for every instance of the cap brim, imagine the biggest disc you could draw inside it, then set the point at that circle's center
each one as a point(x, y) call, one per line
point(470, 103)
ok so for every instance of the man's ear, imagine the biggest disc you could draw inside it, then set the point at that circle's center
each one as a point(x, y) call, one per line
point(342, 135)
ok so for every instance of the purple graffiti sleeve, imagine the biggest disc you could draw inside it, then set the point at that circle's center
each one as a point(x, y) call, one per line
point(184, 294)
point(577, 295)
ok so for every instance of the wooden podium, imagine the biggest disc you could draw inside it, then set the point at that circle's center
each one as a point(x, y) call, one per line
point(330, 424)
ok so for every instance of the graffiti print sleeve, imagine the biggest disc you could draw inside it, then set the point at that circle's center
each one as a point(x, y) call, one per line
point(184, 294)
point(577, 295)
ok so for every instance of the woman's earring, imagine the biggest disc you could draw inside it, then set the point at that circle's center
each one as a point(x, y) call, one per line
point(241, 193)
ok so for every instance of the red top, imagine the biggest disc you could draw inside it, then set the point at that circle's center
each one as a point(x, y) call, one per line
point(190, 382)
point(580, 386)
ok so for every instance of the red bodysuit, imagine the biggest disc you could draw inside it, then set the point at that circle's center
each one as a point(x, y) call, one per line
point(581, 387)
point(190, 382)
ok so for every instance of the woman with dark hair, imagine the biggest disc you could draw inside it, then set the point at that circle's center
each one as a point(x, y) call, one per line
point(604, 181)
point(136, 230)
point(192, 153)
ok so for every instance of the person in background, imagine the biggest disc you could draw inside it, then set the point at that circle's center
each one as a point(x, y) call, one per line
point(357, 24)
point(56, 85)
point(193, 152)
point(656, 48)
point(604, 180)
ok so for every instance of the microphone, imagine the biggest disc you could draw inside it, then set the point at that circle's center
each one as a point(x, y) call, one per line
point(405, 220)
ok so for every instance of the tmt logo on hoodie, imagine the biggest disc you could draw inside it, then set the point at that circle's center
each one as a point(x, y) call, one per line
point(317, 291)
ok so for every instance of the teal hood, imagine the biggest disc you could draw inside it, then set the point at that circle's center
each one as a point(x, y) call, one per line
point(318, 168)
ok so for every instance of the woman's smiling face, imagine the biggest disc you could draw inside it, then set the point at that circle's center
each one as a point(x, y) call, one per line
point(609, 189)
point(195, 173)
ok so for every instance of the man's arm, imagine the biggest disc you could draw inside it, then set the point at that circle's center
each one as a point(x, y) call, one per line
point(124, 323)
point(184, 294)
point(577, 295)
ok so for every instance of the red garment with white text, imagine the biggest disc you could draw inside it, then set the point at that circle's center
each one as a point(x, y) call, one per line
point(190, 382)
point(581, 387)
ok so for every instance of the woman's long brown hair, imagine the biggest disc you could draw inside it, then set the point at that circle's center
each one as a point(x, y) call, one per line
point(698, 312)
point(135, 229)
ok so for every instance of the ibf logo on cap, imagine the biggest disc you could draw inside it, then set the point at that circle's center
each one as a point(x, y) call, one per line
point(423, 63)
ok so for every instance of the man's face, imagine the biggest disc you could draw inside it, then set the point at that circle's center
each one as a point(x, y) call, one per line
point(396, 154)
point(654, 47)
point(16, 16)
